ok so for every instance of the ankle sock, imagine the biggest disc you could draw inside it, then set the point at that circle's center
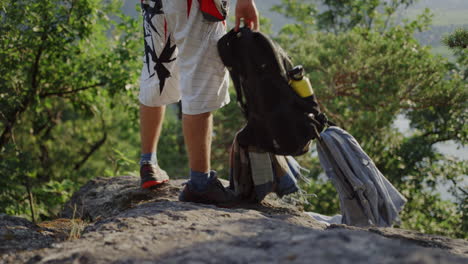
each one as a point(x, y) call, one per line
point(199, 179)
point(149, 158)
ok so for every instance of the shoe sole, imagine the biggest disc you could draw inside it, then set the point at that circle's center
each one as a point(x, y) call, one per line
point(152, 184)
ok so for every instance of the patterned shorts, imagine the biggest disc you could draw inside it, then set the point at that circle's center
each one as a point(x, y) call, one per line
point(181, 60)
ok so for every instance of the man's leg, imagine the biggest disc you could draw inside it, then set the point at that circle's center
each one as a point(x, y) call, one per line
point(204, 88)
point(197, 134)
point(151, 119)
point(203, 186)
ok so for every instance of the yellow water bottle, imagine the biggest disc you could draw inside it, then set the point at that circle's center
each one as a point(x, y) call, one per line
point(300, 84)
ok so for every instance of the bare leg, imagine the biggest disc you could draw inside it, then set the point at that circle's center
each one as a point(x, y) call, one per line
point(203, 186)
point(151, 119)
point(197, 134)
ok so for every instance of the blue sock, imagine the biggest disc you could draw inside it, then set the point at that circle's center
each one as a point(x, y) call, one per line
point(149, 158)
point(199, 179)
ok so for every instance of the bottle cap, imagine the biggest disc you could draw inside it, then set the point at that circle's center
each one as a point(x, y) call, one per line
point(296, 73)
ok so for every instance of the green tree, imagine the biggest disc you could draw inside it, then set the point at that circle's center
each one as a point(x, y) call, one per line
point(458, 43)
point(65, 66)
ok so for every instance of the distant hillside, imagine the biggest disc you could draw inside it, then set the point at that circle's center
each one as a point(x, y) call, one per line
point(448, 15)
point(447, 12)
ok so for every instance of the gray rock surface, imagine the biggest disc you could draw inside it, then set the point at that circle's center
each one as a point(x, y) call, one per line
point(19, 234)
point(135, 226)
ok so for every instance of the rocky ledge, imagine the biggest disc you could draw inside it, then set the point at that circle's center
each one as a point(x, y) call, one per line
point(127, 225)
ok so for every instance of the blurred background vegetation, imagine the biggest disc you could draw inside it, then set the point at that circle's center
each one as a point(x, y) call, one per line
point(69, 110)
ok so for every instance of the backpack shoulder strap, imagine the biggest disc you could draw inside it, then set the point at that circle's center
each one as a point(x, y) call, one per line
point(228, 48)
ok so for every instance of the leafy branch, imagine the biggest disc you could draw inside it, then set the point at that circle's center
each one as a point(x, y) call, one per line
point(67, 92)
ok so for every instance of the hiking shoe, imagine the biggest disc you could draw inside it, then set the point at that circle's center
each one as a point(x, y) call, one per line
point(213, 193)
point(152, 176)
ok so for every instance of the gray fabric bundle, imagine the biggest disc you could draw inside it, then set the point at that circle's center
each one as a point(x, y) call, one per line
point(366, 196)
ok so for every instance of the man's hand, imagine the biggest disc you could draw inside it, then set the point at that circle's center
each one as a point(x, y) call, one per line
point(246, 10)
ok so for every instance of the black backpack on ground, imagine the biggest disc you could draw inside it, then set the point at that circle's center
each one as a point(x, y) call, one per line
point(278, 120)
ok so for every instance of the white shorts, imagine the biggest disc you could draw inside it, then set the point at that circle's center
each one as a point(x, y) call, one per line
point(181, 60)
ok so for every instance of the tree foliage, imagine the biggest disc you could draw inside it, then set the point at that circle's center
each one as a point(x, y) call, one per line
point(458, 43)
point(65, 66)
